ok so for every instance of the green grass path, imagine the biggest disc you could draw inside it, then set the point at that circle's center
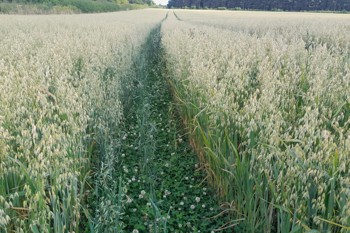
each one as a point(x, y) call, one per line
point(166, 190)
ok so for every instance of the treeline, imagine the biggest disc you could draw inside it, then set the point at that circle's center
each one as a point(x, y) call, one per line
point(57, 2)
point(287, 5)
point(69, 6)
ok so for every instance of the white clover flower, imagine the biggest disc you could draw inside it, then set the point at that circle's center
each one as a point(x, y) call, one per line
point(128, 199)
point(198, 199)
point(192, 207)
point(167, 192)
point(125, 169)
point(135, 231)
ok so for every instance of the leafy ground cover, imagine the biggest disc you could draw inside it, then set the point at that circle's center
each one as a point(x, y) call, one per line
point(166, 189)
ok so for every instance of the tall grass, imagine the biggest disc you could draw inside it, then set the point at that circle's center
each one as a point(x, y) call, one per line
point(60, 101)
point(266, 98)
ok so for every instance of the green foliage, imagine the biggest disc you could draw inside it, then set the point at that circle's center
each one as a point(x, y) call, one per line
point(166, 190)
point(69, 6)
point(289, 5)
point(122, 2)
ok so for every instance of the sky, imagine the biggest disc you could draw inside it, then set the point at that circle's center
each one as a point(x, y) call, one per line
point(163, 2)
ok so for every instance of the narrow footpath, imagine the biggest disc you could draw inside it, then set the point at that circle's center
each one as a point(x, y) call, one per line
point(166, 190)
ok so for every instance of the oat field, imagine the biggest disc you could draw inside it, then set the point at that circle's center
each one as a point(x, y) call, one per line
point(266, 97)
point(61, 82)
point(175, 121)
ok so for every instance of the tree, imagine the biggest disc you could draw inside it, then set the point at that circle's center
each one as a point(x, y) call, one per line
point(288, 5)
point(121, 2)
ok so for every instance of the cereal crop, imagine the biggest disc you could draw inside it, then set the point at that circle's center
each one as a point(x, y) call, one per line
point(60, 101)
point(266, 98)
point(175, 121)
